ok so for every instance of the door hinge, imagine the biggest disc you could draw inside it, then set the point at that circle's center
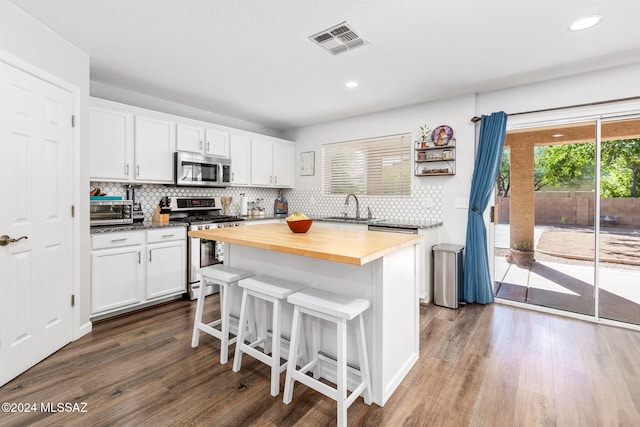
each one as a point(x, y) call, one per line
point(73, 300)
point(73, 211)
point(73, 121)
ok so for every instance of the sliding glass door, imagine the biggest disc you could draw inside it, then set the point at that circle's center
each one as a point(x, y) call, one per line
point(570, 195)
point(619, 232)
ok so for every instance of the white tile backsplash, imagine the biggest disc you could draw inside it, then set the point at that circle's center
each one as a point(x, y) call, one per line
point(152, 193)
point(426, 203)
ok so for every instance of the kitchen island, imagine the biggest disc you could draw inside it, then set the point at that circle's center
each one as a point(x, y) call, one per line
point(378, 266)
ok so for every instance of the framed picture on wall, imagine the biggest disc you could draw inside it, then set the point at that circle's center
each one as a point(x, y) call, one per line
point(307, 163)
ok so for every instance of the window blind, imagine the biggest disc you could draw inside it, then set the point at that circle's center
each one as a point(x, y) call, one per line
point(375, 167)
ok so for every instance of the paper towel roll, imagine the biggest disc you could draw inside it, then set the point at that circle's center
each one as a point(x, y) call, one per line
point(243, 205)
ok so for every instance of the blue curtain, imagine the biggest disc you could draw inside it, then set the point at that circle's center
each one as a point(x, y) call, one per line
point(477, 280)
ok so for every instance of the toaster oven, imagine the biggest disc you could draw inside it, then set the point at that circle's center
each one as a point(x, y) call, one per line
point(110, 212)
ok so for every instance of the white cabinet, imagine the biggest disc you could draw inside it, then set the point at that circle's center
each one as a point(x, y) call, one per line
point(128, 146)
point(282, 165)
point(189, 138)
point(117, 271)
point(137, 268)
point(196, 138)
point(134, 145)
point(166, 262)
point(240, 153)
point(217, 143)
point(155, 144)
point(271, 164)
point(110, 144)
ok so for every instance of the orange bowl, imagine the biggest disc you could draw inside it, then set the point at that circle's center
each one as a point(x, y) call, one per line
point(300, 226)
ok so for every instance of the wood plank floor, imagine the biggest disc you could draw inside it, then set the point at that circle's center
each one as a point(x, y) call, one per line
point(479, 366)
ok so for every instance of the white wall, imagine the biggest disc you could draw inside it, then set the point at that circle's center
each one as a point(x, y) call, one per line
point(30, 41)
point(455, 112)
point(606, 85)
point(124, 96)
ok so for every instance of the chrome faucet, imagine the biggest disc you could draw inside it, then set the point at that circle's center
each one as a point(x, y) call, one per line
point(346, 203)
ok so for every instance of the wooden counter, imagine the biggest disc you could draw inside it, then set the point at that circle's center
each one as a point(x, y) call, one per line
point(356, 247)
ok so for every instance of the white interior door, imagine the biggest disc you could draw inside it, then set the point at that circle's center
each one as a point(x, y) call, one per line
point(36, 189)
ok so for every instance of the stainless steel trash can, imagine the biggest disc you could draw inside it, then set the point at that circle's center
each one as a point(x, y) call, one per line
point(447, 274)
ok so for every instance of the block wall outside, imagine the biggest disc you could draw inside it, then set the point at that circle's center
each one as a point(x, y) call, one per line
point(560, 209)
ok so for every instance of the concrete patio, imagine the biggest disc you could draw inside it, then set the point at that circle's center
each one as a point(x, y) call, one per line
point(566, 285)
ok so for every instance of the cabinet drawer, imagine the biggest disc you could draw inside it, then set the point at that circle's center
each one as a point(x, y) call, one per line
point(166, 234)
point(114, 240)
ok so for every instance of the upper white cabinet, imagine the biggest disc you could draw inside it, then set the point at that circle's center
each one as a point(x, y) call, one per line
point(283, 165)
point(111, 144)
point(195, 138)
point(126, 146)
point(131, 144)
point(155, 144)
point(240, 153)
point(271, 163)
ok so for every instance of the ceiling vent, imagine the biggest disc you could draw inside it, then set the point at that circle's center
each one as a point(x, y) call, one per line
point(339, 38)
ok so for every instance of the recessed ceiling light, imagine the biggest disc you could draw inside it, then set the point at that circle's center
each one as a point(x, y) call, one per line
point(557, 135)
point(351, 85)
point(584, 23)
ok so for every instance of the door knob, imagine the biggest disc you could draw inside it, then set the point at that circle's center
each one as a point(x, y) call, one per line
point(5, 240)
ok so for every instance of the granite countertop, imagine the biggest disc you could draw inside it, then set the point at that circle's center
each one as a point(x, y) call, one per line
point(147, 225)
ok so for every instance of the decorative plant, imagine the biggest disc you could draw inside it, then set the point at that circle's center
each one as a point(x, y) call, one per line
point(424, 132)
point(522, 246)
point(563, 219)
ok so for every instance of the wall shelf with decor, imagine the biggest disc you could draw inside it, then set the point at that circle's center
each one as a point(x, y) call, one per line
point(433, 160)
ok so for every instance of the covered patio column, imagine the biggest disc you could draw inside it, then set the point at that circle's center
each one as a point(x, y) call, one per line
point(522, 199)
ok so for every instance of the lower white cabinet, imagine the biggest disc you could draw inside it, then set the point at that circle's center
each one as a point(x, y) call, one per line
point(166, 262)
point(132, 269)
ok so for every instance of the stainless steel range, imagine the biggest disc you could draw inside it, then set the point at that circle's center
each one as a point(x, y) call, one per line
point(201, 213)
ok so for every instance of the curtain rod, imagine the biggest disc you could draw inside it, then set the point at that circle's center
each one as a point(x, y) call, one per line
point(476, 119)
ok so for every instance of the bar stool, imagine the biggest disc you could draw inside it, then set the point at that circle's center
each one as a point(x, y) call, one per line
point(225, 277)
point(275, 291)
point(339, 309)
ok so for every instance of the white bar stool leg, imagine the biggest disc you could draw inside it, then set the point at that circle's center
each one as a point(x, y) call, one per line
point(342, 372)
point(293, 351)
point(275, 349)
point(364, 360)
point(237, 358)
point(224, 315)
point(195, 339)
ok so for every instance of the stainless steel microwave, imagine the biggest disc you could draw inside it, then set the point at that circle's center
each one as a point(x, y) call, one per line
point(196, 170)
point(110, 212)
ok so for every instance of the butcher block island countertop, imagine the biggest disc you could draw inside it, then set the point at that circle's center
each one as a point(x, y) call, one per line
point(356, 247)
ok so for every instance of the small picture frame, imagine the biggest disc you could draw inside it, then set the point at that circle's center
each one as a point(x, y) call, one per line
point(430, 156)
point(447, 154)
point(307, 163)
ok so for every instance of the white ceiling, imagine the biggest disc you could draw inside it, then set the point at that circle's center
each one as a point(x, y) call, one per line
point(251, 59)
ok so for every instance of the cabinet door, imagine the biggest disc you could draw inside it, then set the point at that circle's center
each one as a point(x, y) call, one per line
point(282, 165)
point(240, 153)
point(166, 269)
point(110, 144)
point(217, 143)
point(261, 162)
point(116, 276)
point(155, 144)
point(189, 138)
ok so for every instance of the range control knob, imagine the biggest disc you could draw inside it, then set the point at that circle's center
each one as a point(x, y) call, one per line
point(199, 227)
